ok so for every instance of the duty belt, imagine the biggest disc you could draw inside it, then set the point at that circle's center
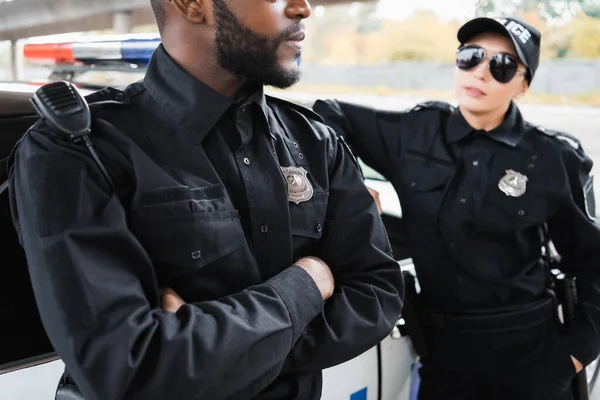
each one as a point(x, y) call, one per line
point(495, 321)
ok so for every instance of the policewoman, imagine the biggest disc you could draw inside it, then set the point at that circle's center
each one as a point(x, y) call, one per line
point(479, 186)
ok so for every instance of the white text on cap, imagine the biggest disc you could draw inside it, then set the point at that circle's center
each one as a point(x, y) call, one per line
point(519, 30)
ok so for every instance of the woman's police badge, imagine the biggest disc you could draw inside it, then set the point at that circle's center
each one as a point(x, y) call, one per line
point(513, 184)
point(298, 185)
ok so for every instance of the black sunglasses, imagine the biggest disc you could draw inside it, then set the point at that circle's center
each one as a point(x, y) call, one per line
point(503, 66)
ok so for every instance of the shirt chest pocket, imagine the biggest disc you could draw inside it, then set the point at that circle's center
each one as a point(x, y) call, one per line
point(530, 208)
point(192, 241)
point(424, 186)
point(195, 246)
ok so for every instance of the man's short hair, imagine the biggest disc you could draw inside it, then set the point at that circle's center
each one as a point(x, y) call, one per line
point(158, 6)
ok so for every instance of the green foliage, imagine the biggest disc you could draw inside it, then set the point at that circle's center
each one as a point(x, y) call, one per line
point(548, 9)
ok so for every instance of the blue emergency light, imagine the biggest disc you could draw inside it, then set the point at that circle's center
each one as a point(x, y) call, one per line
point(127, 49)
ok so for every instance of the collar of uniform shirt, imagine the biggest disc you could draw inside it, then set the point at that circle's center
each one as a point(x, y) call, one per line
point(190, 104)
point(510, 131)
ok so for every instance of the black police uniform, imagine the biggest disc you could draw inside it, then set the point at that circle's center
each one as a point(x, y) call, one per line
point(201, 206)
point(477, 250)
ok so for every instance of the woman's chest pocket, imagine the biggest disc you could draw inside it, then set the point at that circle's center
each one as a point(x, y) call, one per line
point(423, 185)
point(307, 223)
point(197, 249)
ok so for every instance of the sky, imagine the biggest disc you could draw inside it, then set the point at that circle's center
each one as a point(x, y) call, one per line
point(446, 9)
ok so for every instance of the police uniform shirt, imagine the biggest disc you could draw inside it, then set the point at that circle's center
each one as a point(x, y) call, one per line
point(474, 201)
point(202, 207)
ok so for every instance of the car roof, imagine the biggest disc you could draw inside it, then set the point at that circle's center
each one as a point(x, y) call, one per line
point(15, 96)
point(14, 99)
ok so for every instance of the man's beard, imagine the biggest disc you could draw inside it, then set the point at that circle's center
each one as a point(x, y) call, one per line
point(250, 56)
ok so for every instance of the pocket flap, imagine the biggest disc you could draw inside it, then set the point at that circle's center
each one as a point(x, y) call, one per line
point(308, 218)
point(192, 242)
point(529, 207)
point(423, 180)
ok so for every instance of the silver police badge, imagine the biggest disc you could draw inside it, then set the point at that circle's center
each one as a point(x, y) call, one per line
point(298, 185)
point(513, 184)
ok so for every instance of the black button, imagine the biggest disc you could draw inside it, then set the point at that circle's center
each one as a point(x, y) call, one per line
point(413, 184)
point(463, 201)
point(319, 228)
point(119, 96)
point(452, 243)
point(264, 228)
point(196, 254)
point(301, 156)
point(521, 213)
point(534, 157)
point(475, 163)
point(295, 144)
point(531, 166)
point(247, 161)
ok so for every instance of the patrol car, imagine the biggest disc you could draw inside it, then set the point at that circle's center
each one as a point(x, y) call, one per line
point(29, 368)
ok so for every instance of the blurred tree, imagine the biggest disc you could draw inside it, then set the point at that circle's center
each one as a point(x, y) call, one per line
point(584, 37)
point(422, 37)
point(549, 9)
point(347, 34)
point(593, 10)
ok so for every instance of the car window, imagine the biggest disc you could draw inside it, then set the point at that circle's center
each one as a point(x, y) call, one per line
point(22, 337)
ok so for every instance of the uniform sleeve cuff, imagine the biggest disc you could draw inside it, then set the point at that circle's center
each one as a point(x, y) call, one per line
point(300, 295)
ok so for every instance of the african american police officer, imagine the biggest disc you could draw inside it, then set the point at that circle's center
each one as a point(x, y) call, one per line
point(239, 252)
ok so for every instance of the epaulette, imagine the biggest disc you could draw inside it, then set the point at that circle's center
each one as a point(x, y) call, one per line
point(108, 96)
point(304, 110)
point(352, 156)
point(565, 137)
point(435, 105)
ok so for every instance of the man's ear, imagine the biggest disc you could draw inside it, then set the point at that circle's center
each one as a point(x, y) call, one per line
point(191, 10)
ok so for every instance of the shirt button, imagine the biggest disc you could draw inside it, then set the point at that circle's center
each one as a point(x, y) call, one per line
point(247, 161)
point(534, 157)
point(413, 184)
point(319, 228)
point(301, 156)
point(475, 163)
point(521, 213)
point(295, 144)
point(196, 254)
point(264, 228)
point(463, 201)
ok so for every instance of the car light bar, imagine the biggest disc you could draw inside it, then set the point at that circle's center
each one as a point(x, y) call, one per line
point(135, 51)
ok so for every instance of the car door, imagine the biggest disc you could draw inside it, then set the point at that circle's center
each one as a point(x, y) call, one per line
point(397, 355)
point(29, 368)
